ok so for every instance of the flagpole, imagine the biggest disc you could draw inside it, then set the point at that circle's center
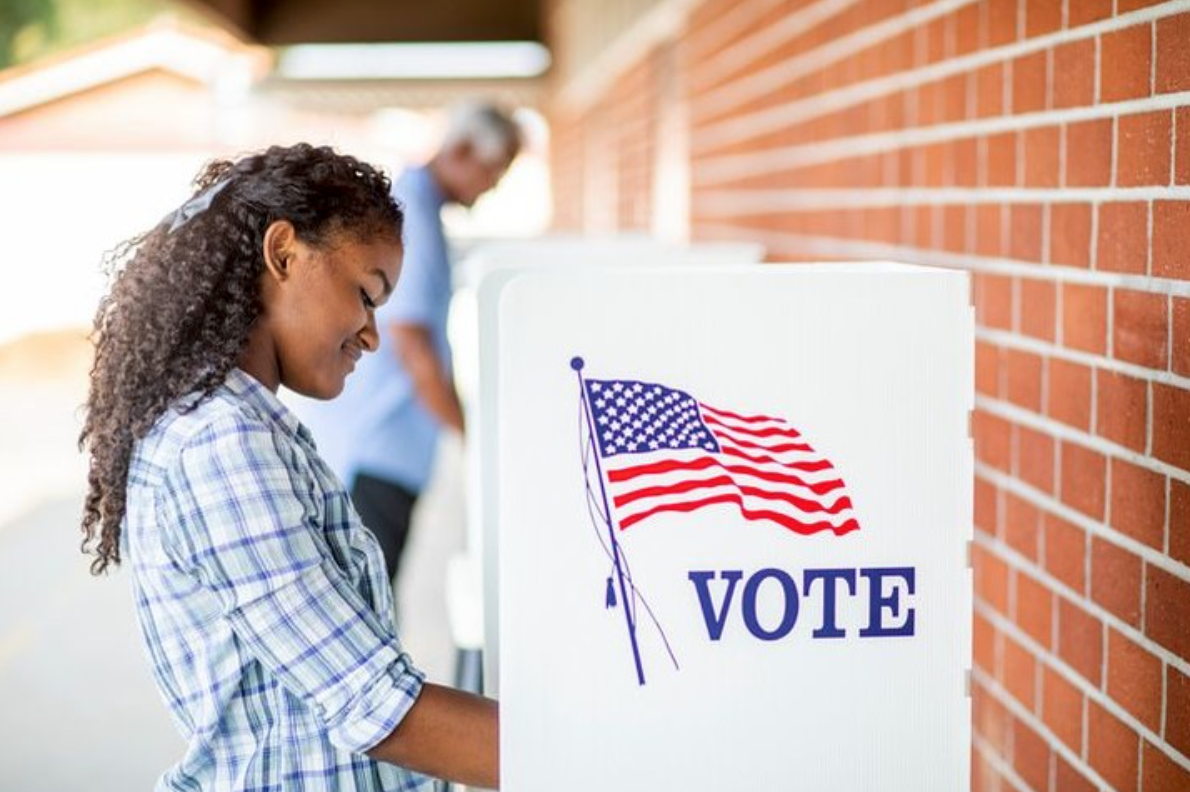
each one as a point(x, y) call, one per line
point(577, 364)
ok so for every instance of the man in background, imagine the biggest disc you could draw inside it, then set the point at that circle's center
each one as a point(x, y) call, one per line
point(381, 434)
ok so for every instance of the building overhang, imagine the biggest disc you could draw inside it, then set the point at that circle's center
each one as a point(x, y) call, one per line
point(285, 22)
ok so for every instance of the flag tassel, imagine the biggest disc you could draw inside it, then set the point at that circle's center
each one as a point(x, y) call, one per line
point(611, 593)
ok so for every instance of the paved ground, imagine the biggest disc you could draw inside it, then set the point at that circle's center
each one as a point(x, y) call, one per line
point(79, 710)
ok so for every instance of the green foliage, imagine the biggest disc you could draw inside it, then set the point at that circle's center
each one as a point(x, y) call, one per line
point(31, 29)
point(18, 16)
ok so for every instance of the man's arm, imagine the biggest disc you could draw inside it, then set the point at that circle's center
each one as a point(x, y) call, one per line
point(433, 385)
point(447, 734)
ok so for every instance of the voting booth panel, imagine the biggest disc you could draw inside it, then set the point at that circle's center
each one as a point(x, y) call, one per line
point(569, 251)
point(734, 508)
point(565, 252)
point(473, 329)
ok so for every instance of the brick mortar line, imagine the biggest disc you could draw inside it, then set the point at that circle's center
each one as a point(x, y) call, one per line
point(1169, 337)
point(1097, 89)
point(1006, 699)
point(1021, 562)
point(1015, 288)
point(1168, 532)
point(1085, 716)
point(788, 157)
point(999, 764)
point(1094, 407)
point(1140, 766)
point(1018, 161)
point(727, 202)
point(1091, 692)
point(1008, 80)
point(1164, 703)
point(660, 23)
point(1088, 604)
point(1173, 146)
point(1093, 253)
point(1148, 414)
point(731, 22)
point(1115, 152)
point(1109, 353)
point(835, 246)
point(760, 42)
point(725, 96)
point(1063, 165)
point(1061, 431)
point(1149, 212)
point(772, 119)
point(1152, 57)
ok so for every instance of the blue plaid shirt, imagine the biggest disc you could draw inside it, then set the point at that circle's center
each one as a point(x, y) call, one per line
point(263, 603)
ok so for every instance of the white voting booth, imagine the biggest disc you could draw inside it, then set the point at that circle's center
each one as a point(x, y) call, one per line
point(472, 605)
point(732, 508)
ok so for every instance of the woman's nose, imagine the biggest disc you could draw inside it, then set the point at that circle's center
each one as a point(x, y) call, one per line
point(369, 337)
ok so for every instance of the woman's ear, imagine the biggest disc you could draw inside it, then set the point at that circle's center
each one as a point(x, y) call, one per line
point(280, 247)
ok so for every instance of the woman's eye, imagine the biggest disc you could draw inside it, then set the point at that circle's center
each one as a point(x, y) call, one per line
point(368, 302)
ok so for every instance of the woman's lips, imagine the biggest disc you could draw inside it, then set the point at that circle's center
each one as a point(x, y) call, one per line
point(353, 352)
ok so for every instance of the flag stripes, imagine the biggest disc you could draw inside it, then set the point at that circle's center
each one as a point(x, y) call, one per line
point(664, 451)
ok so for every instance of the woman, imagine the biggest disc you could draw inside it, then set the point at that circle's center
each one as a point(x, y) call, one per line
point(262, 599)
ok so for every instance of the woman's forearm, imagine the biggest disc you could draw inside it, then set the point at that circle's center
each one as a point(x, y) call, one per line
point(447, 734)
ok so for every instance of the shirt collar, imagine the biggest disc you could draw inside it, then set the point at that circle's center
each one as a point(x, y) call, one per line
point(264, 402)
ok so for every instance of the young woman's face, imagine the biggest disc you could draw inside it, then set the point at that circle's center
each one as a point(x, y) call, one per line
point(321, 313)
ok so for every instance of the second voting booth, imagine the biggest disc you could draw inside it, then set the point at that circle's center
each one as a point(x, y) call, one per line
point(729, 510)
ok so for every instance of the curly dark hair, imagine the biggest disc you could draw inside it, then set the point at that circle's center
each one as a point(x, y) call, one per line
point(183, 298)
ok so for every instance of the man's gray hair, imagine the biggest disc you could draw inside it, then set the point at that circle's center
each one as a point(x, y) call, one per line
point(491, 132)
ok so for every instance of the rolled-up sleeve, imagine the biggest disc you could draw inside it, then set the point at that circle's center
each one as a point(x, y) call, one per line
point(240, 517)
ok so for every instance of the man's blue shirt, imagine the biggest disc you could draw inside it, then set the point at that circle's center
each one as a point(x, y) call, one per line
point(377, 425)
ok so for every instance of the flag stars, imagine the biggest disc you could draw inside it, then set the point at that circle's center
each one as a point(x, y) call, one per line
point(636, 417)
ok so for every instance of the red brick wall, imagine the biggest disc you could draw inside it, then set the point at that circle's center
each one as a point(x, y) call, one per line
point(607, 153)
point(1044, 146)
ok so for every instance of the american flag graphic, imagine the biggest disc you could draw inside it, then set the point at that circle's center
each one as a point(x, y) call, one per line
point(665, 451)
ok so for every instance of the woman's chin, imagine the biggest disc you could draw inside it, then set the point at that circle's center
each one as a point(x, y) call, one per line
point(324, 389)
point(333, 388)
